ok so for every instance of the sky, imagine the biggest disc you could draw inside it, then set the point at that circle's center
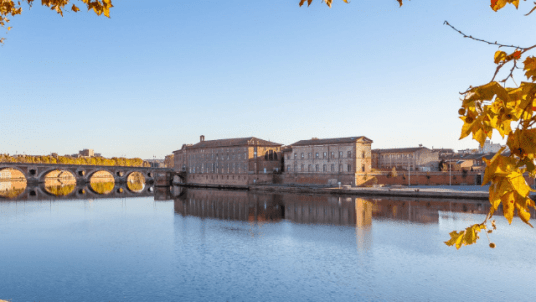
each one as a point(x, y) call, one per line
point(158, 74)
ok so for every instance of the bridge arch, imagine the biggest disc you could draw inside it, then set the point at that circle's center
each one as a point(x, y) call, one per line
point(136, 181)
point(41, 175)
point(3, 167)
point(91, 171)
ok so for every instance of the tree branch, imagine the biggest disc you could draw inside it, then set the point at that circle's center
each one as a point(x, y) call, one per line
point(484, 41)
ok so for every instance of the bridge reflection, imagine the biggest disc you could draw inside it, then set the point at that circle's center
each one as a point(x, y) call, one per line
point(15, 191)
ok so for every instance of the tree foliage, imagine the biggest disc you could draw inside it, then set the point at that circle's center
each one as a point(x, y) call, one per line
point(10, 8)
point(69, 160)
point(510, 112)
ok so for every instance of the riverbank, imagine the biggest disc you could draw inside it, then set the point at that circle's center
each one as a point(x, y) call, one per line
point(447, 192)
point(443, 192)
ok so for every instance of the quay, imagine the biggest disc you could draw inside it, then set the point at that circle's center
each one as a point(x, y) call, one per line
point(441, 192)
point(436, 192)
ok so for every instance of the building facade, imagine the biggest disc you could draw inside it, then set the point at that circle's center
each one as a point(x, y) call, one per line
point(328, 161)
point(405, 159)
point(234, 161)
point(489, 147)
point(86, 152)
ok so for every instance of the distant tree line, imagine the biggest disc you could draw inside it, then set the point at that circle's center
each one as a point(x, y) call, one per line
point(69, 160)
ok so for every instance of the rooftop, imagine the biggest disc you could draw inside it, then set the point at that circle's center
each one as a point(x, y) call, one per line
point(327, 141)
point(399, 150)
point(232, 142)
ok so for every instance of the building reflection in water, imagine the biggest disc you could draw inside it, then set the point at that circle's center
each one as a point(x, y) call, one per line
point(11, 189)
point(229, 205)
point(317, 209)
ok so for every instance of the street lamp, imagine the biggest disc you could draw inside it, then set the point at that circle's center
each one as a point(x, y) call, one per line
point(450, 174)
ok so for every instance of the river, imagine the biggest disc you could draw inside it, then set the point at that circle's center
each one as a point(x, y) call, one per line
point(214, 245)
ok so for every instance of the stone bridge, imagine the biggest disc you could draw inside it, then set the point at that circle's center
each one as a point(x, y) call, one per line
point(36, 173)
point(38, 192)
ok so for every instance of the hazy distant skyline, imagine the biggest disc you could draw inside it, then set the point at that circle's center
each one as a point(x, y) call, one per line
point(150, 79)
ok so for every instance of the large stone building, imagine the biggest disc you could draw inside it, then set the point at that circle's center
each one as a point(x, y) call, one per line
point(405, 159)
point(86, 152)
point(328, 161)
point(234, 161)
point(489, 147)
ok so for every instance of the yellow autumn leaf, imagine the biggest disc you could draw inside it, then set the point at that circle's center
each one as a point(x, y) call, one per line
point(522, 142)
point(75, 8)
point(466, 237)
point(486, 93)
point(530, 68)
point(508, 201)
point(497, 4)
point(522, 207)
point(499, 56)
point(480, 136)
point(519, 184)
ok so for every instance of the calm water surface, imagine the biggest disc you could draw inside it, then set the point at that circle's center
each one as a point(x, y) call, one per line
point(209, 245)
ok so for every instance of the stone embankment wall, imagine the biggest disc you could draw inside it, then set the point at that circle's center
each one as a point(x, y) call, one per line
point(314, 179)
point(426, 178)
point(228, 180)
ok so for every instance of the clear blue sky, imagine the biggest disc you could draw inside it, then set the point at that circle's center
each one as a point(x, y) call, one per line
point(160, 73)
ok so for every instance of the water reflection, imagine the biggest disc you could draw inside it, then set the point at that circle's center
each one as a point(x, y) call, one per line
point(136, 182)
point(315, 209)
point(60, 183)
point(11, 189)
point(102, 182)
point(102, 187)
point(12, 183)
point(71, 192)
point(60, 190)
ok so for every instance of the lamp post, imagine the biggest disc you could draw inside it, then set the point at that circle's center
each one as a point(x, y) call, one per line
point(409, 173)
point(450, 174)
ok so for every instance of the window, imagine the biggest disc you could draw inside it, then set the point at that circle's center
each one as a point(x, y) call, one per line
point(302, 155)
point(324, 168)
point(309, 155)
point(302, 167)
point(340, 154)
point(349, 168)
point(295, 155)
point(325, 154)
point(363, 154)
point(309, 168)
point(332, 154)
point(316, 167)
point(316, 155)
point(349, 154)
point(288, 168)
point(288, 156)
point(340, 168)
point(332, 167)
point(363, 168)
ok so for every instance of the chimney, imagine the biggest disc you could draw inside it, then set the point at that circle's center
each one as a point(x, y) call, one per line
point(420, 145)
point(202, 138)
